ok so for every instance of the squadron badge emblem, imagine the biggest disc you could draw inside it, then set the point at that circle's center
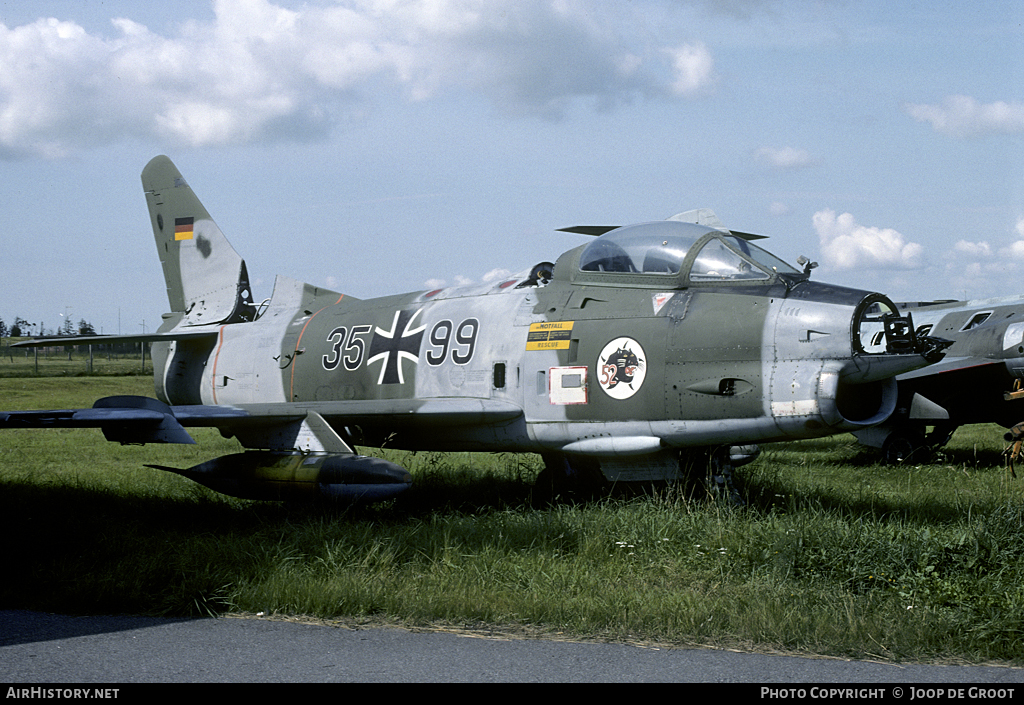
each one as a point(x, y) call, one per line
point(622, 366)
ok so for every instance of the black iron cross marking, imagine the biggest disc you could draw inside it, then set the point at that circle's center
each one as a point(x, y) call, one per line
point(391, 348)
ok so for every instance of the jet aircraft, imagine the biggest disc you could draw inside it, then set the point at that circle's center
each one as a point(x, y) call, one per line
point(644, 342)
point(972, 384)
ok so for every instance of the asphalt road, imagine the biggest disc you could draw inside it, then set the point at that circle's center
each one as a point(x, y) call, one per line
point(38, 648)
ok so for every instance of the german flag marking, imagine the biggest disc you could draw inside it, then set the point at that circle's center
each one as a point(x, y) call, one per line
point(183, 228)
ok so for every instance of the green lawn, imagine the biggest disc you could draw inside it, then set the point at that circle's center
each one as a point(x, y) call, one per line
point(834, 554)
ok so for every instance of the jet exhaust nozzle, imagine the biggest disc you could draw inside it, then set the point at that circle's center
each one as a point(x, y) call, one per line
point(276, 476)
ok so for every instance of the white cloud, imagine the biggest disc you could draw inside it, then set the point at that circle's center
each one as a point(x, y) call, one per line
point(261, 71)
point(847, 245)
point(496, 274)
point(785, 157)
point(964, 250)
point(983, 251)
point(972, 249)
point(1013, 253)
point(974, 269)
point(963, 116)
point(693, 68)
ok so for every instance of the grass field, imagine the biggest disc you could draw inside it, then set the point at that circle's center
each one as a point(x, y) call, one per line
point(834, 554)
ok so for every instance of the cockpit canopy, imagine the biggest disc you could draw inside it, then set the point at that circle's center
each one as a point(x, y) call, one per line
point(672, 248)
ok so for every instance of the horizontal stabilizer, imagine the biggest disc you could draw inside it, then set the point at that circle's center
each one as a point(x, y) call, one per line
point(66, 340)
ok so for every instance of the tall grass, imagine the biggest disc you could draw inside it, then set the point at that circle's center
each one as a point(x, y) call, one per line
point(834, 553)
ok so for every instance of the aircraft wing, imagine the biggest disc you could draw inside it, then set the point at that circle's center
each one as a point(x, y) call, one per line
point(138, 420)
point(446, 411)
point(950, 364)
point(962, 390)
point(127, 419)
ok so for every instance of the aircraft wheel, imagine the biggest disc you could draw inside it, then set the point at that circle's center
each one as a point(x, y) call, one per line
point(904, 446)
point(711, 470)
point(568, 478)
point(722, 483)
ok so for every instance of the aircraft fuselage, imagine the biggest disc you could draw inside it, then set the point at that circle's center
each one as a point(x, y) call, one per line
point(600, 363)
point(647, 340)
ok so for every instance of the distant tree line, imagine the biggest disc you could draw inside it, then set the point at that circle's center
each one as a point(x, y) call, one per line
point(22, 328)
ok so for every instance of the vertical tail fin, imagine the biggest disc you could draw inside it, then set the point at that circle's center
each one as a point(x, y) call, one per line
point(207, 281)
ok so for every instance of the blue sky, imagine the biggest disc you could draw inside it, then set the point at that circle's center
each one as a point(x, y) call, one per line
point(381, 146)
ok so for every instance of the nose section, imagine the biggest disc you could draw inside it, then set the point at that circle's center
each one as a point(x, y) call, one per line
point(837, 353)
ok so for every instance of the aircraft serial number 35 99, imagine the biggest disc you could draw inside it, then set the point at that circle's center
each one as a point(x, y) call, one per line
point(349, 345)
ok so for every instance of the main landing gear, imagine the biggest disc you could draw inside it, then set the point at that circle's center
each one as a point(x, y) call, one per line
point(697, 472)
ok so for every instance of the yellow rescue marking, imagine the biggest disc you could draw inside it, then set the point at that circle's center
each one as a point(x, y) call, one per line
point(552, 335)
